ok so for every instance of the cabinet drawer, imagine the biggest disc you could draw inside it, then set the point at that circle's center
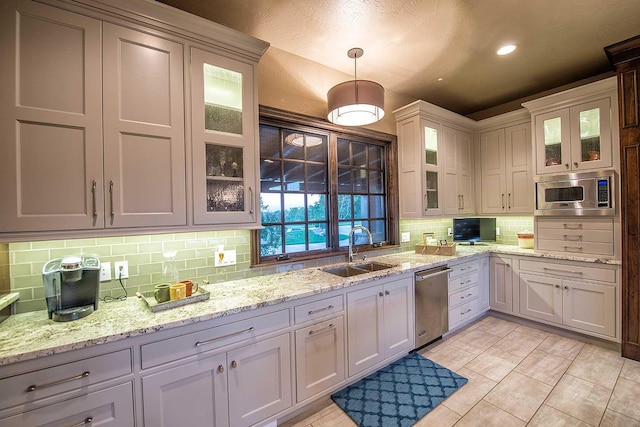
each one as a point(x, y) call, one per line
point(63, 378)
point(464, 268)
point(570, 270)
point(463, 312)
point(463, 296)
point(318, 309)
point(576, 247)
point(465, 281)
point(577, 224)
point(164, 351)
point(576, 236)
point(109, 407)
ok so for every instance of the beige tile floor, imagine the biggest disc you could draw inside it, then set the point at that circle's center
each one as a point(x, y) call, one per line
point(521, 376)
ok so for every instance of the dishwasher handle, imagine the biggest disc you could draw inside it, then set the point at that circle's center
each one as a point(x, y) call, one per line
point(427, 274)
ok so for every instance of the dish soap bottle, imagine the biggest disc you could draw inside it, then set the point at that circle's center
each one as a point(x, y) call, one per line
point(169, 270)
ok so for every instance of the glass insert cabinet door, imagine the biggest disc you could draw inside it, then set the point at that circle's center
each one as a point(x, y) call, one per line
point(591, 135)
point(431, 158)
point(224, 139)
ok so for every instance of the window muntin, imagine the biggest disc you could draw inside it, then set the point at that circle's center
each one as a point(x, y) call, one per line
point(359, 164)
point(293, 191)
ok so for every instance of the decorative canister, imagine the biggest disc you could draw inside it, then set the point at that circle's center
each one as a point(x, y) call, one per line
point(525, 239)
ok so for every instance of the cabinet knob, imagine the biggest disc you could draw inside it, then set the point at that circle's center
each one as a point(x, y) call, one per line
point(234, 364)
point(566, 165)
point(566, 287)
point(387, 292)
point(220, 368)
point(557, 286)
point(381, 294)
point(575, 164)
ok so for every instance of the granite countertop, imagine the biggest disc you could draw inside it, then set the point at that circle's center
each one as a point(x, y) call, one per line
point(32, 335)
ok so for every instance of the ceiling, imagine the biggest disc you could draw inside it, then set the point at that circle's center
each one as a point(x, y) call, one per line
point(408, 45)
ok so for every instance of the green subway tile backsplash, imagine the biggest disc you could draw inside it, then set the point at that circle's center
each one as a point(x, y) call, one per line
point(194, 260)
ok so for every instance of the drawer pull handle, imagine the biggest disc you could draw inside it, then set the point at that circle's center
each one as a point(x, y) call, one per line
point(329, 307)
point(561, 271)
point(573, 248)
point(465, 296)
point(244, 331)
point(84, 422)
point(326, 328)
point(35, 387)
point(571, 238)
point(468, 310)
point(572, 226)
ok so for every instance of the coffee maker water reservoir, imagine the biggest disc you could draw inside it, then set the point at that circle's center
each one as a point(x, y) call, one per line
point(71, 286)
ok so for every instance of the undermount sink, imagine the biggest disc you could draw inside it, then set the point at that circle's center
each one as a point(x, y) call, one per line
point(356, 269)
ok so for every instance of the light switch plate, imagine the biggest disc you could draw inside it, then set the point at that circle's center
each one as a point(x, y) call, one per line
point(497, 231)
point(105, 271)
point(406, 237)
point(228, 258)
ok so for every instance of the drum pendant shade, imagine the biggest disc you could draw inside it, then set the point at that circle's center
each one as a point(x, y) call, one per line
point(355, 102)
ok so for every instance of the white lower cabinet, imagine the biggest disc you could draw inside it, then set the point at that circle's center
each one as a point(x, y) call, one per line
point(589, 307)
point(320, 362)
point(501, 283)
point(238, 388)
point(111, 406)
point(380, 323)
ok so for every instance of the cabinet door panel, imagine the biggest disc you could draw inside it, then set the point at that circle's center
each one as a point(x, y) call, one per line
point(259, 380)
point(223, 133)
point(398, 316)
point(492, 159)
point(144, 142)
point(501, 282)
point(364, 328)
point(51, 119)
point(541, 297)
point(319, 357)
point(591, 135)
point(518, 169)
point(553, 142)
point(590, 307)
point(193, 393)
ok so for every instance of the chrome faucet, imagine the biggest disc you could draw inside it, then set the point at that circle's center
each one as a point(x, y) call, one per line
point(357, 227)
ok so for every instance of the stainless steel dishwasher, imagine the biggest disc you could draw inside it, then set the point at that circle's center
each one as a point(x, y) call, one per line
point(432, 304)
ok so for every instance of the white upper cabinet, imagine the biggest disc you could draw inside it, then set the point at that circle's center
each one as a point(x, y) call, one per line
point(94, 127)
point(572, 129)
point(435, 161)
point(144, 144)
point(225, 140)
point(506, 167)
point(50, 119)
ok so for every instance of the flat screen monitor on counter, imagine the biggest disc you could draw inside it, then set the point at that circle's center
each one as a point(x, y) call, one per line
point(474, 230)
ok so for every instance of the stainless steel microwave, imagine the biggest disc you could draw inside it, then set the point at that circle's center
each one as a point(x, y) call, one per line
point(576, 194)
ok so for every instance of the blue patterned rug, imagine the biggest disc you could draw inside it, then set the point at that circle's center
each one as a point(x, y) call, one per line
point(398, 394)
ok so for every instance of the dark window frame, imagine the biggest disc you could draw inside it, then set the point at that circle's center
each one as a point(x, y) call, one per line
point(280, 118)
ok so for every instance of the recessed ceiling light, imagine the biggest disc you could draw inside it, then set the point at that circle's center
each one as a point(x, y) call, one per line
point(506, 49)
point(440, 79)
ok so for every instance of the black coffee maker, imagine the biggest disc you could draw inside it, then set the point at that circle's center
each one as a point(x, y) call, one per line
point(71, 286)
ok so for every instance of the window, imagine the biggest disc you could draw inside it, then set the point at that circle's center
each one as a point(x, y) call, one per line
point(316, 184)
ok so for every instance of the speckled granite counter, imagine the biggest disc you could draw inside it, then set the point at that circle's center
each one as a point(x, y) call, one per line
point(32, 335)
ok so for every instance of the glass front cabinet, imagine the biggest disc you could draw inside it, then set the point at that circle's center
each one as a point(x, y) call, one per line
point(576, 137)
point(225, 142)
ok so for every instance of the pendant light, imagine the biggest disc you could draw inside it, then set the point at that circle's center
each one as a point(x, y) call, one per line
point(355, 102)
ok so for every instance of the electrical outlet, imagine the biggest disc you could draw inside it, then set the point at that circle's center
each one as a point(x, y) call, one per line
point(105, 271)
point(121, 269)
point(497, 231)
point(449, 233)
point(405, 237)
